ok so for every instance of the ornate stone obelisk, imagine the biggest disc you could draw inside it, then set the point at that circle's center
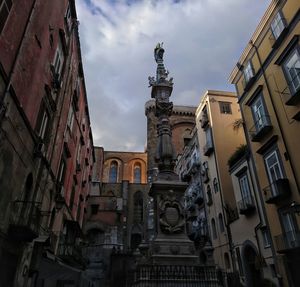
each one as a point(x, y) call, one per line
point(171, 244)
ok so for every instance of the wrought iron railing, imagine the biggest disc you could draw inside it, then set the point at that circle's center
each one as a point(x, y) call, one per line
point(287, 241)
point(260, 128)
point(277, 190)
point(246, 205)
point(175, 276)
point(25, 221)
point(291, 93)
point(208, 148)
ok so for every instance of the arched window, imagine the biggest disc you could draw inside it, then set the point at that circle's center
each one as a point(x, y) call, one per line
point(227, 260)
point(214, 229)
point(113, 172)
point(137, 173)
point(138, 207)
point(216, 185)
point(221, 223)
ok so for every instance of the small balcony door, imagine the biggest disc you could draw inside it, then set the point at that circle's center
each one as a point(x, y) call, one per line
point(290, 229)
point(259, 114)
point(274, 170)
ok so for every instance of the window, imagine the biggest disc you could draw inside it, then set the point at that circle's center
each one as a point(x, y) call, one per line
point(68, 18)
point(70, 119)
point(94, 208)
point(221, 223)
point(78, 158)
point(58, 61)
point(216, 185)
point(61, 175)
point(72, 197)
point(227, 260)
point(138, 207)
point(290, 228)
point(5, 6)
point(209, 196)
point(225, 107)
point(291, 68)
point(239, 260)
point(42, 122)
point(274, 169)
point(244, 186)
point(277, 25)
point(214, 229)
point(137, 173)
point(260, 115)
point(248, 72)
point(208, 137)
point(266, 237)
point(113, 172)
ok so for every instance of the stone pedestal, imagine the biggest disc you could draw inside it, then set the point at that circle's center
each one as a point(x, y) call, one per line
point(171, 246)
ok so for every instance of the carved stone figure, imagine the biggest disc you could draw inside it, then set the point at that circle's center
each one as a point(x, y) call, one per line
point(159, 52)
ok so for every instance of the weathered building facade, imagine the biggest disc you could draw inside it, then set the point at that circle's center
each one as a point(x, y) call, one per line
point(215, 119)
point(267, 83)
point(116, 219)
point(46, 147)
point(182, 121)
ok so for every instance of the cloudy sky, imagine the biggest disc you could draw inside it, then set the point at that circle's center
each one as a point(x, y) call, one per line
point(203, 40)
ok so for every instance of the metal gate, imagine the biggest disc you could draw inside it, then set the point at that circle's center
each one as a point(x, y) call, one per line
point(174, 276)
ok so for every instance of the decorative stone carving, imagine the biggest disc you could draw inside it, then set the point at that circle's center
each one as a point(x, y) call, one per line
point(171, 216)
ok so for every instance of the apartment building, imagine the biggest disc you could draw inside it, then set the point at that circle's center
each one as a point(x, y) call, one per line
point(46, 147)
point(251, 241)
point(216, 117)
point(267, 80)
point(188, 167)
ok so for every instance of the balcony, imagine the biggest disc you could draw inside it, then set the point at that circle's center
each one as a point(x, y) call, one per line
point(261, 127)
point(71, 253)
point(193, 166)
point(25, 223)
point(277, 191)
point(204, 119)
point(246, 205)
point(288, 241)
point(291, 94)
point(208, 148)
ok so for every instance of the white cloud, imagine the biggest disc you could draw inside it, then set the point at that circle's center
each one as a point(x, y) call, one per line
point(203, 40)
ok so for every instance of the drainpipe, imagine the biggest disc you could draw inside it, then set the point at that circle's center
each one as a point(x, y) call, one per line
point(276, 116)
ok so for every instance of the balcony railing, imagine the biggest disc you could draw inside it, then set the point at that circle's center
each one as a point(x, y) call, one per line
point(173, 275)
point(25, 222)
point(246, 205)
point(287, 241)
point(260, 128)
point(277, 191)
point(208, 148)
point(71, 253)
point(291, 94)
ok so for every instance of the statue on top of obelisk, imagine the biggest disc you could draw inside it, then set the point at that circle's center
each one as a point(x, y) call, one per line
point(161, 91)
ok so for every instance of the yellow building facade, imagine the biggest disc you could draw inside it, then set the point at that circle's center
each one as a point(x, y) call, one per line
point(218, 139)
point(267, 80)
